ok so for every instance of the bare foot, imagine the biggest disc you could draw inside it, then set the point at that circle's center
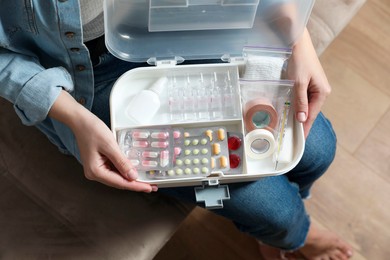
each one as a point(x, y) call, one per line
point(319, 245)
point(323, 244)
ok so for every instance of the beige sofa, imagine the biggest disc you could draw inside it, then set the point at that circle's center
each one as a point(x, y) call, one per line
point(48, 209)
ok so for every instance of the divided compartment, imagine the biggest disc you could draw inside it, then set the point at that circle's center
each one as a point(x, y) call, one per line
point(134, 81)
point(267, 118)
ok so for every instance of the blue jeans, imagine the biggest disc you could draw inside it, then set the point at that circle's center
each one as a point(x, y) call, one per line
point(270, 209)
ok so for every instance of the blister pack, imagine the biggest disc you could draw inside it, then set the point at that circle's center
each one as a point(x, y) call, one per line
point(218, 144)
point(194, 160)
point(236, 153)
point(148, 149)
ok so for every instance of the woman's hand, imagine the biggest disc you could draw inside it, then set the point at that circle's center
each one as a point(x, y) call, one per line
point(100, 155)
point(311, 85)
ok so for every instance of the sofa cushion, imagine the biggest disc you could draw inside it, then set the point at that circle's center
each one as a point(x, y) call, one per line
point(328, 19)
point(119, 224)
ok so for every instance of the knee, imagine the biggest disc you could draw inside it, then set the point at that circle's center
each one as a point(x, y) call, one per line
point(321, 143)
point(269, 209)
point(285, 228)
point(283, 220)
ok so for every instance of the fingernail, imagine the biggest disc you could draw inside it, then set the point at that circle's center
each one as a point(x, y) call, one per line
point(349, 253)
point(132, 174)
point(154, 188)
point(301, 116)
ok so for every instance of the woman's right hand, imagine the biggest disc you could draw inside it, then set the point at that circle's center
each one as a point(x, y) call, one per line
point(101, 157)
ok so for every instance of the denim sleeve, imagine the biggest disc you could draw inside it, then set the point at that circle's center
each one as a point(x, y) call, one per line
point(29, 86)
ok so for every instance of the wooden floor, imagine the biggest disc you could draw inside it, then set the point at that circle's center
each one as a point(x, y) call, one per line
point(354, 196)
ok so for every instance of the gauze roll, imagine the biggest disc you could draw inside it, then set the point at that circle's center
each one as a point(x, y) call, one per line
point(263, 67)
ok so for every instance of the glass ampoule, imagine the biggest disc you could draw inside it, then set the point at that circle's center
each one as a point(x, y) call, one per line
point(175, 93)
point(204, 99)
point(216, 97)
point(230, 100)
point(190, 101)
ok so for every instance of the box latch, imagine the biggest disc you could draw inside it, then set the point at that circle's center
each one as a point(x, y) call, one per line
point(165, 62)
point(212, 194)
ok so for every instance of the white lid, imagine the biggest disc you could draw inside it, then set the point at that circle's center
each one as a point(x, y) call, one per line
point(137, 30)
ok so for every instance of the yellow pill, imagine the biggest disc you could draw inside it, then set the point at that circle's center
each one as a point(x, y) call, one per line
point(179, 162)
point(186, 134)
point(187, 161)
point(212, 164)
point(223, 161)
point(195, 142)
point(216, 148)
point(221, 134)
point(209, 133)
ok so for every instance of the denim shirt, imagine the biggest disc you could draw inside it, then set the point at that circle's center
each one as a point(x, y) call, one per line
point(41, 53)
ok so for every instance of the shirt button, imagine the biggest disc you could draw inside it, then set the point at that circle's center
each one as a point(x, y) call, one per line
point(69, 34)
point(74, 49)
point(81, 101)
point(80, 67)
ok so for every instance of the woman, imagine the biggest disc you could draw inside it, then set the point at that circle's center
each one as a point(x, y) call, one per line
point(59, 85)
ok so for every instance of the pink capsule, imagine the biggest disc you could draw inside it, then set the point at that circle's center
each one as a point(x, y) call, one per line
point(150, 164)
point(164, 154)
point(159, 144)
point(160, 135)
point(164, 158)
point(176, 134)
point(177, 150)
point(147, 154)
point(140, 134)
point(140, 144)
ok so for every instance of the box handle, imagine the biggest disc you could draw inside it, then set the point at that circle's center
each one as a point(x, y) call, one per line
point(212, 194)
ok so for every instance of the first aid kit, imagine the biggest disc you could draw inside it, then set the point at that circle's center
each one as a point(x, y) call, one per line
point(182, 122)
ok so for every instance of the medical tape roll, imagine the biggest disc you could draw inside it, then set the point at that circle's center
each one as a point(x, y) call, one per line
point(260, 114)
point(260, 144)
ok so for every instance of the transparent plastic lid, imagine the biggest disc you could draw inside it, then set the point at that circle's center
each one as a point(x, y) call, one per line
point(137, 30)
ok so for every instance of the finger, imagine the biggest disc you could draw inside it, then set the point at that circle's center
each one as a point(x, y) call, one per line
point(115, 180)
point(301, 100)
point(315, 104)
point(120, 162)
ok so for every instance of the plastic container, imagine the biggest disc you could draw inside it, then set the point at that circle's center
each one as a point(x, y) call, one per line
point(135, 81)
point(167, 32)
point(139, 30)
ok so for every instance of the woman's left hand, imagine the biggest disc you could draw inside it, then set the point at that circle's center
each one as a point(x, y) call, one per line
point(311, 84)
